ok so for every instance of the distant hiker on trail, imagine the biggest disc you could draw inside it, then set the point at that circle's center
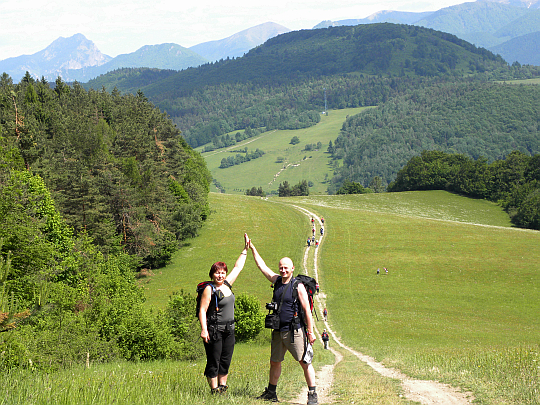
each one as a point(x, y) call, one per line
point(322, 220)
point(216, 316)
point(313, 240)
point(378, 270)
point(322, 231)
point(293, 332)
point(317, 243)
point(308, 242)
point(313, 231)
point(312, 221)
point(325, 338)
point(325, 314)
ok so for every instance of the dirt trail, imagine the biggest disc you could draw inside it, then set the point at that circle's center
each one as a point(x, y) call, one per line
point(422, 391)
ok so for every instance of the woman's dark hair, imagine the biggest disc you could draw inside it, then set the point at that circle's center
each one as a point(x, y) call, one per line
point(217, 266)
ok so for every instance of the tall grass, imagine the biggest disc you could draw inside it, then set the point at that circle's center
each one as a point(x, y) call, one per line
point(160, 382)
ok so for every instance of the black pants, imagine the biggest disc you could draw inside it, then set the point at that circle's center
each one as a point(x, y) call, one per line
point(219, 353)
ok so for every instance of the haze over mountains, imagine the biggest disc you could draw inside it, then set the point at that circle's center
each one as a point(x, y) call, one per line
point(510, 28)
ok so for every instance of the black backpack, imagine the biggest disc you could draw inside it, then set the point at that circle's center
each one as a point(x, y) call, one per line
point(310, 285)
point(200, 288)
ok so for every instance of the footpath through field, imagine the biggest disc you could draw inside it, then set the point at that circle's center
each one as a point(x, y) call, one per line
point(422, 391)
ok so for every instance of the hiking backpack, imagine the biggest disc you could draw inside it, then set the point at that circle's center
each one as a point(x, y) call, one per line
point(213, 299)
point(310, 285)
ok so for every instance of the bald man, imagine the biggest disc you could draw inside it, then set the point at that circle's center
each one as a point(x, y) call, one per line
point(291, 335)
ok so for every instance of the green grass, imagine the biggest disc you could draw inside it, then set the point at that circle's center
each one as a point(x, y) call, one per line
point(160, 382)
point(438, 205)
point(298, 164)
point(460, 303)
point(275, 229)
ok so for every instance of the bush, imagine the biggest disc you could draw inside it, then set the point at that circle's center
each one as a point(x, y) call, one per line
point(184, 325)
point(249, 317)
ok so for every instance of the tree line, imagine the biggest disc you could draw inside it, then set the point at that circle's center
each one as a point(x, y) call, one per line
point(239, 159)
point(280, 84)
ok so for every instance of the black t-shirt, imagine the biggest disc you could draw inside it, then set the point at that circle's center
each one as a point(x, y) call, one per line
point(289, 308)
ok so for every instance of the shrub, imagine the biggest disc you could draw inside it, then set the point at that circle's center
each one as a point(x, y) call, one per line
point(249, 317)
point(184, 325)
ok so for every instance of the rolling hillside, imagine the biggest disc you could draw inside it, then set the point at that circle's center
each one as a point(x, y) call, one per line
point(281, 161)
point(368, 49)
point(488, 24)
point(458, 304)
point(163, 56)
point(280, 84)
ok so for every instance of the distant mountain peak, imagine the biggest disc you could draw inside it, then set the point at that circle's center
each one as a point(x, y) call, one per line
point(74, 52)
point(240, 43)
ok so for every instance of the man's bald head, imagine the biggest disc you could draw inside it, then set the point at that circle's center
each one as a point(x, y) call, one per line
point(286, 268)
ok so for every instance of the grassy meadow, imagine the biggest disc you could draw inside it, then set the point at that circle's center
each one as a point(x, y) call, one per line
point(459, 304)
point(297, 164)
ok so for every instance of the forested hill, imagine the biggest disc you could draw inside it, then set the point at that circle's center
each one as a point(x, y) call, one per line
point(485, 120)
point(279, 85)
point(116, 167)
point(389, 49)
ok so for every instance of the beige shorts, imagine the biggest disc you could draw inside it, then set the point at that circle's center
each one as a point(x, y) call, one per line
point(281, 343)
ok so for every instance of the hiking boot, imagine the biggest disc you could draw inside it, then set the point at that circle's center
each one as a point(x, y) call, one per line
point(214, 391)
point(268, 396)
point(312, 398)
point(223, 389)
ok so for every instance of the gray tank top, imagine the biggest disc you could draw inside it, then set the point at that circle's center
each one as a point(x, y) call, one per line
point(226, 311)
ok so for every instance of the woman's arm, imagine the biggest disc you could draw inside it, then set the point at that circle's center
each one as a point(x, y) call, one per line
point(239, 265)
point(205, 303)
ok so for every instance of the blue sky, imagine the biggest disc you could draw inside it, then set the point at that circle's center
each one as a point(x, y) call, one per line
point(121, 26)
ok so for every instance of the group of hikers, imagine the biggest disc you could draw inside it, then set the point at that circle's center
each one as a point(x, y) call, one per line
point(291, 323)
point(311, 240)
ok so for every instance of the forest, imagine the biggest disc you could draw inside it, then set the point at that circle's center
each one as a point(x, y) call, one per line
point(281, 84)
point(116, 167)
point(97, 189)
point(479, 120)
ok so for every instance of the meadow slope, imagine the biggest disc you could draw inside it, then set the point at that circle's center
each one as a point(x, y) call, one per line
point(459, 303)
point(282, 161)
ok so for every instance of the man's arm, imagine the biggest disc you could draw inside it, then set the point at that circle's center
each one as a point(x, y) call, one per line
point(304, 301)
point(265, 270)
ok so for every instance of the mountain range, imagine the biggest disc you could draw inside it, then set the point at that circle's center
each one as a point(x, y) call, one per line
point(510, 28)
point(506, 27)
